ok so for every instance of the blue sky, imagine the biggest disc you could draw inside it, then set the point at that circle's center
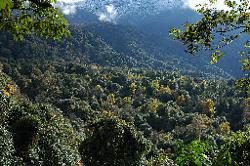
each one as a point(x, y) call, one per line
point(110, 10)
point(190, 3)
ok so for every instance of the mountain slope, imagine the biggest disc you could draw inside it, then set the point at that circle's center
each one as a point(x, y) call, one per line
point(148, 47)
point(106, 45)
point(160, 24)
point(110, 95)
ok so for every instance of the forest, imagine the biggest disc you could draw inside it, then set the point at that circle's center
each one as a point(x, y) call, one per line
point(109, 94)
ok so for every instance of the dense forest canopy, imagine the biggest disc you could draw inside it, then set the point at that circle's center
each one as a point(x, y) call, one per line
point(111, 94)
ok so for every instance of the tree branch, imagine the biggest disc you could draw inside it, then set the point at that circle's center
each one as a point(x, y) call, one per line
point(41, 3)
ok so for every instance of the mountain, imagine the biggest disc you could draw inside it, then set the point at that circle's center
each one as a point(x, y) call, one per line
point(156, 26)
point(155, 31)
point(142, 46)
point(82, 17)
point(117, 94)
point(131, 7)
point(57, 109)
point(160, 24)
point(109, 45)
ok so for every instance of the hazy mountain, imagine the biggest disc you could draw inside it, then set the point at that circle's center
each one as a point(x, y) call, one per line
point(143, 46)
point(160, 24)
point(155, 27)
point(108, 45)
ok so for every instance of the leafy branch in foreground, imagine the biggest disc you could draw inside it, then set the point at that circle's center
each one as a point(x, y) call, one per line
point(25, 17)
point(217, 29)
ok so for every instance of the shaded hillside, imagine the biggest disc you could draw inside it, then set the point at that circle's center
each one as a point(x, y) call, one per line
point(107, 45)
point(160, 24)
point(148, 47)
point(155, 27)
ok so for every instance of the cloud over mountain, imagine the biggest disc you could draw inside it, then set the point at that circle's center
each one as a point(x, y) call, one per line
point(123, 7)
point(112, 10)
point(109, 15)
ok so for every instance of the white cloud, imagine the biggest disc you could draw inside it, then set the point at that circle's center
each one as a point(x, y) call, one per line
point(219, 4)
point(109, 15)
point(69, 1)
point(66, 6)
point(112, 10)
point(126, 7)
point(68, 9)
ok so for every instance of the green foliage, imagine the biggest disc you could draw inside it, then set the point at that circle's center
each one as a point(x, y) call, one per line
point(161, 159)
point(5, 3)
point(195, 153)
point(235, 151)
point(217, 29)
point(93, 114)
point(216, 56)
point(43, 136)
point(4, 98)
point(244, 83)
point(35, 134)
point(213, 21)
point(32, 17)
point(231, 150)
point(113, 142)
point(83, 93)
point(7, 147)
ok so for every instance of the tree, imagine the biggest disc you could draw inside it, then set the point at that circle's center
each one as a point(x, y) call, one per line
point(113, 142)
point(195, 153)
point(38, 17)
point(235, 150)
point(41, 136)
point(217, 29)
point(7, 148)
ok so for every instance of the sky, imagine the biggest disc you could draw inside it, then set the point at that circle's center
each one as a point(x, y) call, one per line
point(190, 3)
point(110, 10)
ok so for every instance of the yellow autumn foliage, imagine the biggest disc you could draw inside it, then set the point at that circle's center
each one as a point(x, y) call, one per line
point(99, 88)
point(95, 66)
point(155, 84)
point(225, 127)
point(204, 83)
point(108, 113)
point(181, 100)
point(111, 98)
point(165, 89)
point(154, 104)
point(128, 100)
point(9, 89)
point(209, 106)
point(133, 87)
point(133, 76)
point(183, 78)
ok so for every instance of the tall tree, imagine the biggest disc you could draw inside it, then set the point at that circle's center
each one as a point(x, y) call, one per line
point(217, 29)
point(39, 17)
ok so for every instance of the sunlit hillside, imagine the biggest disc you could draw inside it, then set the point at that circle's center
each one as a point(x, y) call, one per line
point(115, 83)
